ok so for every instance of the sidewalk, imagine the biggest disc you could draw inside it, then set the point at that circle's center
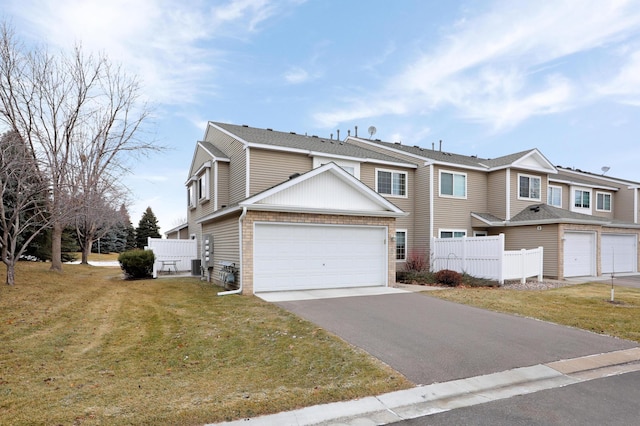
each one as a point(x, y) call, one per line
point(439, 397)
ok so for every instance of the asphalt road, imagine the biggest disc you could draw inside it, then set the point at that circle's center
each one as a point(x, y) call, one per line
point(610, 401)
point(431, 340)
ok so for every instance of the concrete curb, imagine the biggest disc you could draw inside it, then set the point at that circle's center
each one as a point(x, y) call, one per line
point(438, 397)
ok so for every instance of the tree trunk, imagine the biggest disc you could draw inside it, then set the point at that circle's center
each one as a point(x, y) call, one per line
point(86, 249)
point(11, 274)
point(56, 247)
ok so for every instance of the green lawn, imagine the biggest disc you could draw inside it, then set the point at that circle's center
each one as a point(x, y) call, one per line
point(584, 306)
point(85, 347)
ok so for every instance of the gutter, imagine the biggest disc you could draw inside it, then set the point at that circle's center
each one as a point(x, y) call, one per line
point(239, 289)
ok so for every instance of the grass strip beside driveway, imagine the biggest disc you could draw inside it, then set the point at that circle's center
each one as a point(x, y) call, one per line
point(585, 306)
point(86, 347)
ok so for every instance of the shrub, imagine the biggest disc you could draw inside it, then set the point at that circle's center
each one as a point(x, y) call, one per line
point(416, 262)
point(471, 281)
point(137, 264)
point(448, 277)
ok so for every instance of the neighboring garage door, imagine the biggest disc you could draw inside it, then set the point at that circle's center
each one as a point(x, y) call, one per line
point(579, 254)
point(296, 257)
point(619, 253)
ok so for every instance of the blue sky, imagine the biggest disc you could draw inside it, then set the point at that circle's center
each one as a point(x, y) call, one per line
point(488, 78)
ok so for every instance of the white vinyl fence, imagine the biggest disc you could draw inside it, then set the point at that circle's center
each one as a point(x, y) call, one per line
point(172, 255)
point(485, 257)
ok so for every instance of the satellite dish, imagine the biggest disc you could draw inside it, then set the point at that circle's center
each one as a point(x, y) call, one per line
point(372, 131)
point(605, 169)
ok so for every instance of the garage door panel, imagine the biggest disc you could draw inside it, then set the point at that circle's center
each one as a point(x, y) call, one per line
point(619, 253)
point(292, 256)
point(579, 254)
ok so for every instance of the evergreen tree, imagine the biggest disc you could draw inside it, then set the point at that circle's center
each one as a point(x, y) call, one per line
point(147, 227)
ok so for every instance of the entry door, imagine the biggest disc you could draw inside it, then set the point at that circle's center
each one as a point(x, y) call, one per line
point(289, 256)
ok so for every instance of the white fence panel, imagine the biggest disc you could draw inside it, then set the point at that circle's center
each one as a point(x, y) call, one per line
point(179, 251)
point(477, 256)
point(485, 257)
point(520, 264)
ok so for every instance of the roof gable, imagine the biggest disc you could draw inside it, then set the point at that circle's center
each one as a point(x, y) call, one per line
point(326, 189)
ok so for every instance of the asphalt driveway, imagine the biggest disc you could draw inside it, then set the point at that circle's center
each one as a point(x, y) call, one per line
point(431, 340)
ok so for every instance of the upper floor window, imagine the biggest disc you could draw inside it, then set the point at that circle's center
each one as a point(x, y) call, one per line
point(191, 195)
point(582, 199)
point(453, 184)
point(452, 233)
point(401, 245)
point(603, 202)
point(202, 186)
point(554, 196)
point(391, 183)
point(529, 187)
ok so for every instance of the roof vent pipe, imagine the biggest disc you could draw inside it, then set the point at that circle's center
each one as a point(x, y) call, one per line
point(356, 131)
point(348, 132)
point(433, 146)
point(331, 136)
point(338, 134)
point(440, 145)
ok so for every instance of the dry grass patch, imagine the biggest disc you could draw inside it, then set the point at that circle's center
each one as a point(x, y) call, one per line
point(85, 347)
point(584, 306)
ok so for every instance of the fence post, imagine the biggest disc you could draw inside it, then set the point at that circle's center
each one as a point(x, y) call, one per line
point(464, 254)
point(523, 266)
point(501, 260)
point(541, 266)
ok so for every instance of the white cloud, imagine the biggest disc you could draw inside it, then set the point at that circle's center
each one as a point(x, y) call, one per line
point(160, 40)
point(504, 65)
point(296, 75)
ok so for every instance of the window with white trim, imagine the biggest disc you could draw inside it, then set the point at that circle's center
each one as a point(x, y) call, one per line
point(452, 233)
point(554, 195)
point(529, 187)
point(203, 185)
point(453, 184)
point(581, 199)
point(603, 201)
point(389, 182)
point(191, 195)
point(401, 244)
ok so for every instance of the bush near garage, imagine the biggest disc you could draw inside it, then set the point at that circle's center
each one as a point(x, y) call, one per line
point(137, 264)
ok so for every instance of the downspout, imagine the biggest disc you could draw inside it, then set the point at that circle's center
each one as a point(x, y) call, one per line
point(239, 289)
point(431, 203)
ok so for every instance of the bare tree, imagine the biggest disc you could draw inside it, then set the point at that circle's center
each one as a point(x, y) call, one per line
point(75, 111)
point(24, 192)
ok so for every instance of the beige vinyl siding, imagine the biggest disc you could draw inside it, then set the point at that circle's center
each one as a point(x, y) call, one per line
point(420, 229)
point(455, 213)
point(226, 245)
point(517, 205)
point(223, 184)
point(270, 168)
point(200, 157)
point(530, 237)
point(497, 193)
point(368, 177)
point(623, 205)
point(237, 169)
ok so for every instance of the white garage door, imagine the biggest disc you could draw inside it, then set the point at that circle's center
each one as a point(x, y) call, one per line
point(579, 254)
point(299, 257)
point(619, 253)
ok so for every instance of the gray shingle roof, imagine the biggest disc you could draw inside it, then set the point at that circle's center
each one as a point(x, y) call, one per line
point(545, 212)
point(448, 157)
point(212, 149)
point(311, 143)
